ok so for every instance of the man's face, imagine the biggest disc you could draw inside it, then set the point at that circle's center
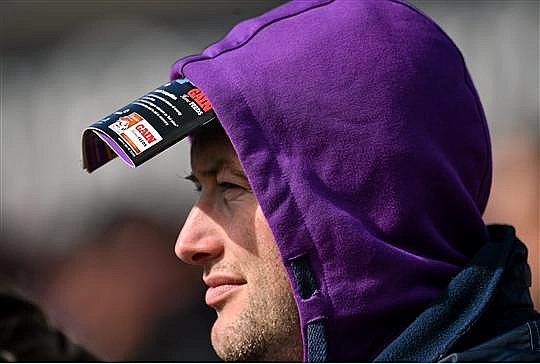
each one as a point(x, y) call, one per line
point(227, 234)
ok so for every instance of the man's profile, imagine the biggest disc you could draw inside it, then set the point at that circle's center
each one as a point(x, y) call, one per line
point(229, 236)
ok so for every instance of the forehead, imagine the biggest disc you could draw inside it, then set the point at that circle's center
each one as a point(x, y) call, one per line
point(211, 149)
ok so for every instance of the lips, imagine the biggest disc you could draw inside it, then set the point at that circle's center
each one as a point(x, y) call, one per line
point(220, 288)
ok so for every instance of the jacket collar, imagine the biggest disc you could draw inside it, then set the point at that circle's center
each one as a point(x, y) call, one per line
point(435, 331)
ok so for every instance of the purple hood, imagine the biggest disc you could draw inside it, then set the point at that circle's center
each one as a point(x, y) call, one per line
point(365, 143)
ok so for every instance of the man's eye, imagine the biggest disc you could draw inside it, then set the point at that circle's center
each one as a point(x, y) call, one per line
point(231, 191)
point(227, 185)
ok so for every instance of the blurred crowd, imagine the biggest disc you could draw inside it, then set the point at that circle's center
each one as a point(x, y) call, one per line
point(96, 251)
point(122, 293)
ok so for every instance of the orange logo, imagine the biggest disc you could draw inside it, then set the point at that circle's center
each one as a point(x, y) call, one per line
point(200, 98)
point(131, 119)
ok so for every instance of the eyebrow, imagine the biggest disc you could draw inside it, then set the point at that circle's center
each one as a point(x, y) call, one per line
point(217, 167)
point(212, 170)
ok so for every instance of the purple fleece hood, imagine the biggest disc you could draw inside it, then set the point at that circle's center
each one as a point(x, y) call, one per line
point(365, 143)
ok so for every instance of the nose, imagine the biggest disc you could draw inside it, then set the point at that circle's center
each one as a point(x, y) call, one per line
point(199, 240)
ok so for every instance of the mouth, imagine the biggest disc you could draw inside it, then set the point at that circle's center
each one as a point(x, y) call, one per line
point(220, 288)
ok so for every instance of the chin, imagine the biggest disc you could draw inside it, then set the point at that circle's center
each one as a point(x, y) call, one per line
point(231, 334)
point(224, 326)
point(220, 337)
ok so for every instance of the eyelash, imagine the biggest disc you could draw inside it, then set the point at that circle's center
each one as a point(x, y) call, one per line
point(227, 185)
point(224, 185)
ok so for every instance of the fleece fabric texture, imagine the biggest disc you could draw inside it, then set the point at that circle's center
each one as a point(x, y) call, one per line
point(365, 143)
point(481, 308)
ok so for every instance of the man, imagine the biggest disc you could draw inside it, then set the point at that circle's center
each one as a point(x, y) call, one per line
point(342, 192)
point(358, 167)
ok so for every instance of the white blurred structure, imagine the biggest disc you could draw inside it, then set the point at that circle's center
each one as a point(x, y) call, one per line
point(66, 64)
point(58, 79)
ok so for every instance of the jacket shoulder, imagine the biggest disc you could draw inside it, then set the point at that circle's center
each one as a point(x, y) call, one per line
point(521, 344)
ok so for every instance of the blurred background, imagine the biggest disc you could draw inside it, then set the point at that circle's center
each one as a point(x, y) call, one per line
point(97, 250)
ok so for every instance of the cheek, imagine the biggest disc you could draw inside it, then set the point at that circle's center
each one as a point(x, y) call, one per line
point(243, 226)
point(265, 237)
point(264, 233)
point(273, 282)
point(266, 243)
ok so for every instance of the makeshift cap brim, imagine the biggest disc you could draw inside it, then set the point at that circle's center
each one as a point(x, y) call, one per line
point(147, 126)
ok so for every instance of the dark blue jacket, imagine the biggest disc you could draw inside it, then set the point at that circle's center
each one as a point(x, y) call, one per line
point(485, 313)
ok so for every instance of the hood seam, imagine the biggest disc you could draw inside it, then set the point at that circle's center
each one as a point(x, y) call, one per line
point(248, 39)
